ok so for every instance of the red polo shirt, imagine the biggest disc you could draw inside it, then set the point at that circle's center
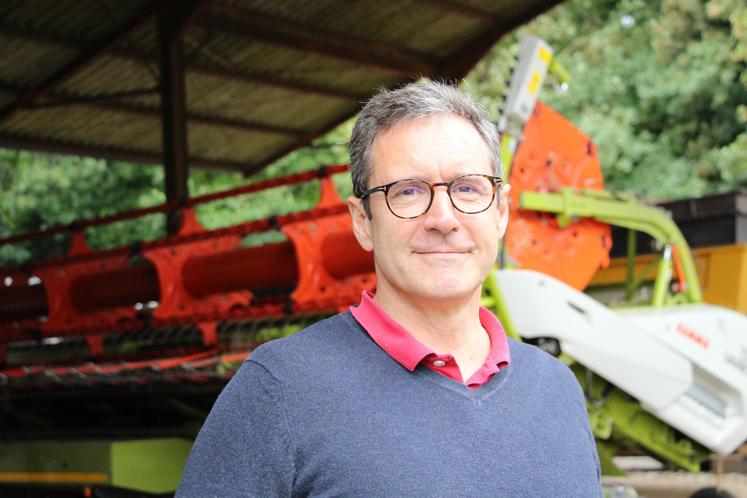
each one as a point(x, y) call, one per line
point(396, 341)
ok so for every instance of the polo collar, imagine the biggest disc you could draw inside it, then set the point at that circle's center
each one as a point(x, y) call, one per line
point(409, 352)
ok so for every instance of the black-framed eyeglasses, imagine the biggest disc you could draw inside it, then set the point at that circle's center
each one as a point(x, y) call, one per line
point(410, 198)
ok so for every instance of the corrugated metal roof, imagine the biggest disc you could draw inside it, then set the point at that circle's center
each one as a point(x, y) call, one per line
point(262, 77)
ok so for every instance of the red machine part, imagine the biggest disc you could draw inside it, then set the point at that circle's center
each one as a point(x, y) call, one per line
point(176, 302)
point(197, 276)
point(193, 362)
point(267, 268)
point(555, 154)
point(63, 317)
point(316, 284)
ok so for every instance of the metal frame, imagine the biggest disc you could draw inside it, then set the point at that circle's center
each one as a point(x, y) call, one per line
point(614, 414)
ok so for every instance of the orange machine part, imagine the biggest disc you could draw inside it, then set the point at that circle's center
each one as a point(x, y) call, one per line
point(553, 155)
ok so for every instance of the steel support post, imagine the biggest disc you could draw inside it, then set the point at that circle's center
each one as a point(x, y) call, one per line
point(173, 17)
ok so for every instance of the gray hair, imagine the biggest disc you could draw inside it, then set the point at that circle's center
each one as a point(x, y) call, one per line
point(389, 108)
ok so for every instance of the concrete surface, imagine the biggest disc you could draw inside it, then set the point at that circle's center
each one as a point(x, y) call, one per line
point(679, 484)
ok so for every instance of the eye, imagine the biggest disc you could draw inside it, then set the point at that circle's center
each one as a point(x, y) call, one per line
point(465, 187)
point(408, 189)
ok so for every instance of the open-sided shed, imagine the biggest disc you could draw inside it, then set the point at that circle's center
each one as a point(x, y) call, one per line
point(230, 84)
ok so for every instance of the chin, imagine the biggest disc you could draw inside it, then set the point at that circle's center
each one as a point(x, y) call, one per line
point(447, 291)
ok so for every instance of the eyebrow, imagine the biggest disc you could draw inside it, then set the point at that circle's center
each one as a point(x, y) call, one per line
point(424, 179)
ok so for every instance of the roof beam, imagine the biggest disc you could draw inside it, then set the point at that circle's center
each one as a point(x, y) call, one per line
point(283, 84)
point(257, 79)
point(103, 102)
point(244, 125)
point(87, 54)
point(460, 9)
point(301, 142)
point(38, 36)
point(193, 117)
point(78, 149)
point(296, 36)
point(61, 100)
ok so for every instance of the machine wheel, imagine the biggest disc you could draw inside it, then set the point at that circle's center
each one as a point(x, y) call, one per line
point(711, 493)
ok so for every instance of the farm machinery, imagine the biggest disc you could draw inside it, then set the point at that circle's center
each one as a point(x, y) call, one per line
point(111, 358)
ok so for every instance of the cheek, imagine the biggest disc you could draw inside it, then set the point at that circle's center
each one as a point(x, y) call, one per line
point(486, 235)
point(389, 243)
point(392, 243)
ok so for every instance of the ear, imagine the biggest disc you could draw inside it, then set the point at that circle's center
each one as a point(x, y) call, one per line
point(503, 210)
point(361, 223)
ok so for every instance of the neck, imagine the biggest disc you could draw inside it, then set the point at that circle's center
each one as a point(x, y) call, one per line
point(445, 326)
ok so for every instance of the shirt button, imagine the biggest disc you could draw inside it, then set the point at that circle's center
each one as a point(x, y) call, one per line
point(439, 363)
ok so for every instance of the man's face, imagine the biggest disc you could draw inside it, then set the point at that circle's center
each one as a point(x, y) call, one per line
point(443, 255)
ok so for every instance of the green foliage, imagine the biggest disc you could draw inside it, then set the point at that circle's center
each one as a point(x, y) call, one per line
point(40, 191)
point(328, 150)
point(660, 86)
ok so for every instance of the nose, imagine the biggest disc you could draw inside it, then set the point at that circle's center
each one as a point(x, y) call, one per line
point(441, 216)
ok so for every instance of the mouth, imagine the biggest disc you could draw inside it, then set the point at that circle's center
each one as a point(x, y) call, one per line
point(446, 252)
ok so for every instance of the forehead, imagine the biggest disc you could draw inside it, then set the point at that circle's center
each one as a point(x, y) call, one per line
point(435, 148)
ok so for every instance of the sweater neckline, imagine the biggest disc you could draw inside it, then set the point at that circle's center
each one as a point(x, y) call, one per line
point(481, 393)
point(424, 374)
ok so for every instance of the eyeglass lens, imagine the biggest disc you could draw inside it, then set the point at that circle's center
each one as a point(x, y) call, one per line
point(469, 194)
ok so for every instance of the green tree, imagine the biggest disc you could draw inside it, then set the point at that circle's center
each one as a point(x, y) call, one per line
point(660, 86)
point(42, 190)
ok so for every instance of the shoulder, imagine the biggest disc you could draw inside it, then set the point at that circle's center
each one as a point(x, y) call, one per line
point(527, 359)
point(326, 335)
point(524, 354)
point(318, 348)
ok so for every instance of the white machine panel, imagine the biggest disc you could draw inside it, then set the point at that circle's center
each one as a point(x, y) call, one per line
point(714, 339)
point(687, 365)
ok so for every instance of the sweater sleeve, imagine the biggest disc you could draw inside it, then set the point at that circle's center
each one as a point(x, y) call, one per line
point(244, 448)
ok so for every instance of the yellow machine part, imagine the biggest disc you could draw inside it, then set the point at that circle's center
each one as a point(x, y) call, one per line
point(722, 271)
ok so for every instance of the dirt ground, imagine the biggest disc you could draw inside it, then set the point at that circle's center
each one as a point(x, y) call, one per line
point(679, 484)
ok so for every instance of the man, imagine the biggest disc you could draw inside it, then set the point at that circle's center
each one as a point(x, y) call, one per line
point(416, 391)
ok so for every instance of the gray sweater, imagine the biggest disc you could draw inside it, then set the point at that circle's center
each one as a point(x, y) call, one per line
point(325, 412)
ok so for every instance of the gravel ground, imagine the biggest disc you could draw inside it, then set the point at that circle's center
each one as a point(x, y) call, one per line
point(679, 484)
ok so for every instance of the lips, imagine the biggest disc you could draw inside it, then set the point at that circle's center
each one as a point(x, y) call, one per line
point(443, 251)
